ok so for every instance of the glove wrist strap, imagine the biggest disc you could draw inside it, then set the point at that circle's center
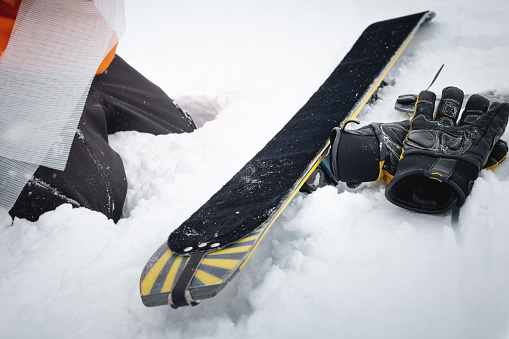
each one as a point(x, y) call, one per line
point(355, 157)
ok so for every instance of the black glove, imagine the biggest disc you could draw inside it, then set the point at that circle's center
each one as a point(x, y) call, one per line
point(441, 158)
point(368, 153)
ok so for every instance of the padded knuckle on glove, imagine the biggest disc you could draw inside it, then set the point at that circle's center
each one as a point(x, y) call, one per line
point(426, 140)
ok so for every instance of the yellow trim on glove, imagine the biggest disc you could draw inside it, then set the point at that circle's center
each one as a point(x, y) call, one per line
point(381, 172)
point(492, 167)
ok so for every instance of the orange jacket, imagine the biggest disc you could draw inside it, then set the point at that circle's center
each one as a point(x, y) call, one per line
point(9, 10)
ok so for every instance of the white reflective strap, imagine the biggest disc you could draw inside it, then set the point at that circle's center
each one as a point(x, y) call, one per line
point(54, 51)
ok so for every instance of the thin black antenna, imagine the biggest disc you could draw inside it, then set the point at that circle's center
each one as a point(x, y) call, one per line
point(436, 76)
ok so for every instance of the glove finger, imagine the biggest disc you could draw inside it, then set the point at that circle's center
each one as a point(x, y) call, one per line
point(490, 127)
point(495, 119)
point(450, 105)
point(495, 103)
point(425, 105)
point(476, 105)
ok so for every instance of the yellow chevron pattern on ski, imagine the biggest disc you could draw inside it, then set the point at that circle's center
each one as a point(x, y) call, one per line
point(213, 269)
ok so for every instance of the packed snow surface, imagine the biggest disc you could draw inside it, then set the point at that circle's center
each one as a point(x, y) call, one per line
point(338, 263)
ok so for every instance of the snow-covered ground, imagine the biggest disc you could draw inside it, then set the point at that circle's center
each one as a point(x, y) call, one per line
point(338, 263)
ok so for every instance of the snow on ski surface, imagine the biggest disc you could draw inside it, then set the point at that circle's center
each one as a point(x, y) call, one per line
point(347, 265)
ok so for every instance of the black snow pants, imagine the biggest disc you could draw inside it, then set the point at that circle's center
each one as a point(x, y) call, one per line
point(120, 99)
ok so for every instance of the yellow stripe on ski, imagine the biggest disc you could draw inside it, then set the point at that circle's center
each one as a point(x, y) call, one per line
point(150, 278)
point(170, 278)
point(206, 278)
point(252, 237)
point(222, 263)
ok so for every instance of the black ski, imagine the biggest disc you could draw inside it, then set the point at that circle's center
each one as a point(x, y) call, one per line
point(208, 249)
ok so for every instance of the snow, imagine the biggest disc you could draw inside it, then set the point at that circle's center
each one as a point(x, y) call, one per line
point(341, 263)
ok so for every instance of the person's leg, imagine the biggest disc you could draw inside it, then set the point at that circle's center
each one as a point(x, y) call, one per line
point(93, 178)
point(133, 103)
point(120, 99)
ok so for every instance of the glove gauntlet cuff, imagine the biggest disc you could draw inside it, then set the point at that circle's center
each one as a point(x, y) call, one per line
point(432, 185)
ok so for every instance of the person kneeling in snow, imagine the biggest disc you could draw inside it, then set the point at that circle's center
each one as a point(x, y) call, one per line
point(59, 69)
point(430, 161)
